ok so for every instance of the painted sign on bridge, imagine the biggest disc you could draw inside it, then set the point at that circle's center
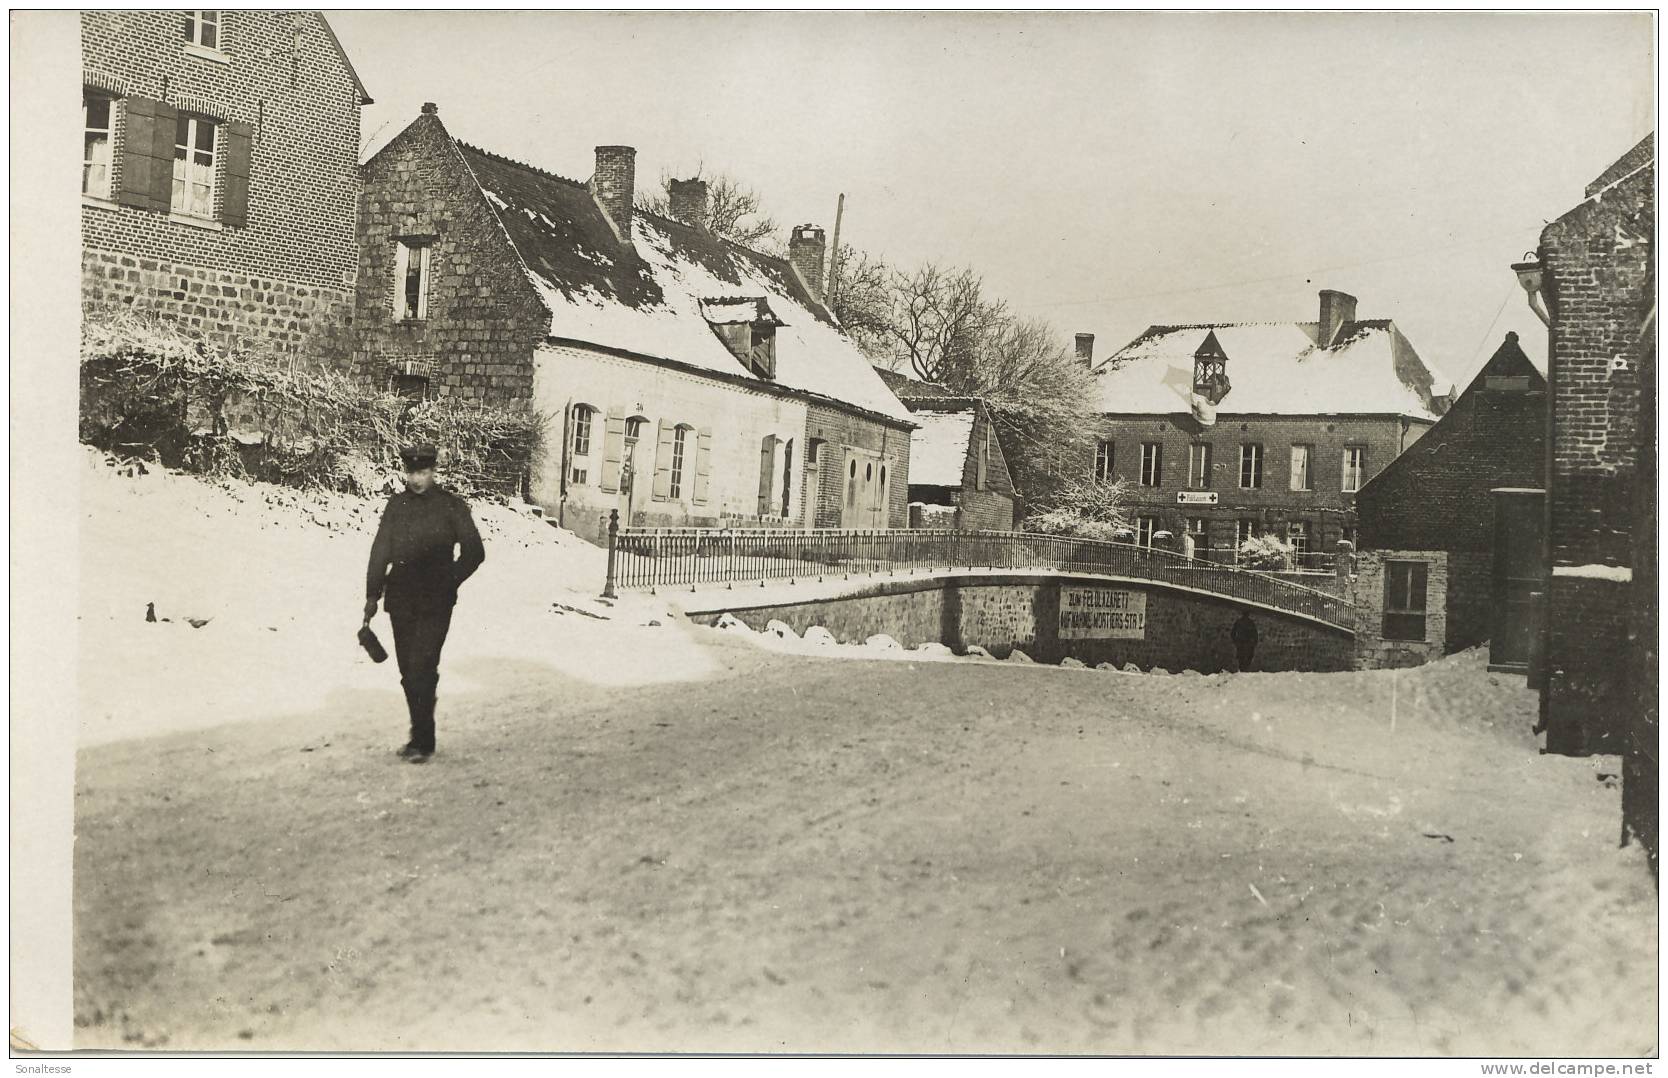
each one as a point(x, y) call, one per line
point(1102, 614)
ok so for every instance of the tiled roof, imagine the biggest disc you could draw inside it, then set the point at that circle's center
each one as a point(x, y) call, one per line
point(1274, 368)
point(647, 298)
point(913, 389)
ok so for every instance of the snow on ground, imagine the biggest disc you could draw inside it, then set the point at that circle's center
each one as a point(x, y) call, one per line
point(279, 577)
point(667, 837)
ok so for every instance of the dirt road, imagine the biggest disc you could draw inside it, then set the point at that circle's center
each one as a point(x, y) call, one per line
point(805, 854)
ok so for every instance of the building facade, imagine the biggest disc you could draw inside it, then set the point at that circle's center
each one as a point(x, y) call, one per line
point(220, 177)
point(1444, 494)
point(1222, 432)
point(686, 380)
point(959, 475)
point(1596, 278)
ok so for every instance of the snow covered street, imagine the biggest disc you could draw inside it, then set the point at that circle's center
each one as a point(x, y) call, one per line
point(657, 837)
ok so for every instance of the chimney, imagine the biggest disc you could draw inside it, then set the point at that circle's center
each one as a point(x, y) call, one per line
point(688, 199)
point(1336, 308)
point(614, 184)
point(807, 249)
point(430, 108)
point(1086, 349)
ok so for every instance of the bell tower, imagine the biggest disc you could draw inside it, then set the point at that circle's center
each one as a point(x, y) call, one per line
point(1210, 370)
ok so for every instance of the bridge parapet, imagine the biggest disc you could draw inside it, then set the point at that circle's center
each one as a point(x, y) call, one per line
point(661, 558)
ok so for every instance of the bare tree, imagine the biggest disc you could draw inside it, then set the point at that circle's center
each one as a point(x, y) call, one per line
point(938, 319)
point(860, 294)
point(734, 210)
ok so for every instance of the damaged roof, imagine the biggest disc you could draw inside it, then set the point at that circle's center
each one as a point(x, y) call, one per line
point(653, 297)
point(1274, 368)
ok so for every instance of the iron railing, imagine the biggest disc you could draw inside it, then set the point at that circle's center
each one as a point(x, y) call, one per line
point(658, 558)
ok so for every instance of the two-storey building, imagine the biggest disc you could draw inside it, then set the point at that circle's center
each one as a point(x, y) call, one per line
point(1227, 431)
point(687, 380)
point(219, 178)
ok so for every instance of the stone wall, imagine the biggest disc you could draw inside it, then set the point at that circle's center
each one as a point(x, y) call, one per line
point(224, 306)
point(1372, 650)
point(483, 318)
point(279, 276)
point(1183, 631)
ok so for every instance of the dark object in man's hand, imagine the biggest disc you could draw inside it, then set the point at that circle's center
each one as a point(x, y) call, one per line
point(373, 647)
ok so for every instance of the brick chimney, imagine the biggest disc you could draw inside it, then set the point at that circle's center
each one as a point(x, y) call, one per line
point(807, 250)
point(1336, 308)
point(614, 184)
point(688, 201)
point(1086, 349)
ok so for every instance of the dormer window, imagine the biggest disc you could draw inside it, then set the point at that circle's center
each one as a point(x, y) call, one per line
point(747, 326)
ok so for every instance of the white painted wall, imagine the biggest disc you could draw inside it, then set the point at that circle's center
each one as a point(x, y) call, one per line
point(738, 419)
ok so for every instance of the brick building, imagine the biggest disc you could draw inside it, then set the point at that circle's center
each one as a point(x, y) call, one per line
point(219, 175)
point(1225, 431)
point(958, 474)
point(1595, 281)
point(1440, 495)
point(688, 380)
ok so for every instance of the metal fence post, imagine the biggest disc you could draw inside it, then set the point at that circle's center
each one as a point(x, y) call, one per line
point(613, 543)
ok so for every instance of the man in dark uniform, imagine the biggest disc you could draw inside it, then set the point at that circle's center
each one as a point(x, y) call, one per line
point(411, 560)
point(1244, 634)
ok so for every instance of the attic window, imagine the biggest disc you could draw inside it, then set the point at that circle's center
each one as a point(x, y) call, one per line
point(1505, 383)
point(747, 326)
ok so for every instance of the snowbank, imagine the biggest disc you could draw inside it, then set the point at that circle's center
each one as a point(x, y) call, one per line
point(276, 577)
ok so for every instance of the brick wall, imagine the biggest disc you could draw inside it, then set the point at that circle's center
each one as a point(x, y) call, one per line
point(483, 319)
point(1372, 650)
point(1435, 496)
point(838, 429)
point(286, 79)
point(1326, 507)
point(1184, 631)
point(984, 510)
point(1599, 271)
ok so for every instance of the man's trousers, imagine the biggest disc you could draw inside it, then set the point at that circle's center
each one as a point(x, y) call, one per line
point(418, 638)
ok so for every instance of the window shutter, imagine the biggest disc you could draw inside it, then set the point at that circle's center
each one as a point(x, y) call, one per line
point(613, 450)
point(663, 463)
point(235, 205)
point(163, 134)
point(767, 473)
point(147, 163)
point(703, 464)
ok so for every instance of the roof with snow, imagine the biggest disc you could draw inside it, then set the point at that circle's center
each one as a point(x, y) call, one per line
point(938, 449)
point(1274, 368)
point(660, 296)
point(913, 389)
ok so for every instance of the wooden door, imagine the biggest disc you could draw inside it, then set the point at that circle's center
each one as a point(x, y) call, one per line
point(1519, 577)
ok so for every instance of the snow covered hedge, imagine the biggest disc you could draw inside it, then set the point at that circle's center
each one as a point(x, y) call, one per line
point(151, 390)
point(1266, 552)
point(1084, 509)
